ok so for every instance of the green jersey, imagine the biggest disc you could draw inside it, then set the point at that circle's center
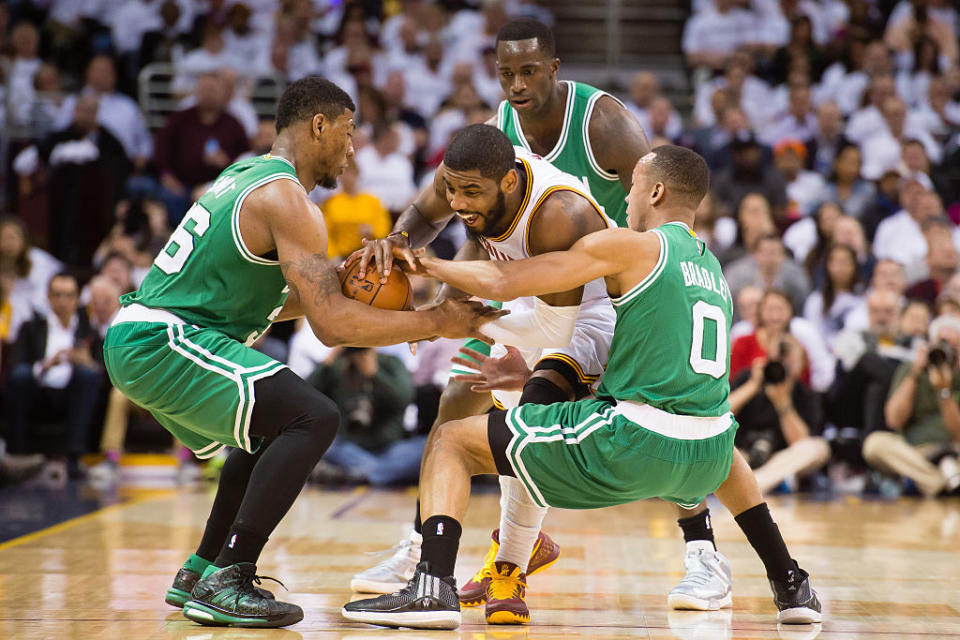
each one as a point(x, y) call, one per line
point(205, 274)
point(671, 342)
point(573, 153)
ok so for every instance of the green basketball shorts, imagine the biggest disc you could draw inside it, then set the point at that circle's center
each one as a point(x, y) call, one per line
point(590, 454)
point(198, 383)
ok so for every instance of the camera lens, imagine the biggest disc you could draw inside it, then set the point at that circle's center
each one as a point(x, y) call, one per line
point(937, 356)
point(774, 372)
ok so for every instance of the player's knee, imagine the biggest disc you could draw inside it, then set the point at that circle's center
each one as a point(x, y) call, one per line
point(323, 419)
point(546, 387)
point(460, 439)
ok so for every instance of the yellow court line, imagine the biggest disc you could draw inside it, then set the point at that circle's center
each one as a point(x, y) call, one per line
point(152, 495)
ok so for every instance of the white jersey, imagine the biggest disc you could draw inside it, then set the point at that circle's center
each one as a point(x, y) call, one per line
point(594, 328)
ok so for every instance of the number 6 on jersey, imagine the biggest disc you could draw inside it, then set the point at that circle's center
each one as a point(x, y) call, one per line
point(171, 262)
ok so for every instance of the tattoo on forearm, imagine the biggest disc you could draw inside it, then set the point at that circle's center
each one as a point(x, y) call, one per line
point(315, 272)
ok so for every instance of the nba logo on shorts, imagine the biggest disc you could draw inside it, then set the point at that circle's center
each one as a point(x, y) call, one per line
point(233, 541)
point(439, 528)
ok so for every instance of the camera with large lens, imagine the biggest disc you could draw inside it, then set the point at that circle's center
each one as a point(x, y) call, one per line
point(775, 372)
point(941, 354)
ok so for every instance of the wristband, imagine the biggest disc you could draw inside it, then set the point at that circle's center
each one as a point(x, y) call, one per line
point(782, 411)
point(406, 236)
point(944, 394)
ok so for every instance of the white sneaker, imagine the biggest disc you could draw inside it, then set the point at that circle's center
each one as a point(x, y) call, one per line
point(707, 586)
point(105, 473)
point(395, 572)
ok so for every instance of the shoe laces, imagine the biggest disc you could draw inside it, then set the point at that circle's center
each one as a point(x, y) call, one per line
point(505, 587)
point(486, 571)
point(246, 588)
point(698, 572)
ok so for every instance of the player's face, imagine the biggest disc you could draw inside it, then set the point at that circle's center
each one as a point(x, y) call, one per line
point(336, 140)
point(479, 201)
point(527, 75)
point(639, 199)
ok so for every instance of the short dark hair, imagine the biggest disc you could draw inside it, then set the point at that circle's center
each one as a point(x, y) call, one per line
point(480, 147)
point(63, 275)
point(527, 28)
point(309, 96)
point(682, 171)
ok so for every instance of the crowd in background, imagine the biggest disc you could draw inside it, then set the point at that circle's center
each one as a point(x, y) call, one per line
point(831, 127)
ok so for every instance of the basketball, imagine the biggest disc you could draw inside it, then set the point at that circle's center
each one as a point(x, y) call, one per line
point(395, 294)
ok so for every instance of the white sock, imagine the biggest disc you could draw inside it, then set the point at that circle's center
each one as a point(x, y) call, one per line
point(520, 520)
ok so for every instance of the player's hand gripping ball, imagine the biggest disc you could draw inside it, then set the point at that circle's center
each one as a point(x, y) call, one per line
point(395, 294)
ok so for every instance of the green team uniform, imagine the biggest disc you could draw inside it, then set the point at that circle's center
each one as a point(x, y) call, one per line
point(572, 154)
point(180, 345)
point(660, 425)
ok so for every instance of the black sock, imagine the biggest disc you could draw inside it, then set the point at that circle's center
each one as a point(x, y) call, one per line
point(698, 528)
point(764, 536)
point(241, 545)
point(441, 540)
point(233, 484)
point(417, 524)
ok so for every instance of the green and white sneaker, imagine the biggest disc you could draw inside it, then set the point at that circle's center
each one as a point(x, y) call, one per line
point(227, 597)
point(188, 576)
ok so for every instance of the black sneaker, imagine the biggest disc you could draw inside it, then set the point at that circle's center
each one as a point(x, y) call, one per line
point(796, 601)
point(427, 602)
point(227, 597)
point(179, 592)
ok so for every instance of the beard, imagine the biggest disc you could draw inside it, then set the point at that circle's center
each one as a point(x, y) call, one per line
point(328, 182)
point(494, 217)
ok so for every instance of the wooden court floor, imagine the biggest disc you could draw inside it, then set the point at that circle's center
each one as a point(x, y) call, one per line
point(886, 570)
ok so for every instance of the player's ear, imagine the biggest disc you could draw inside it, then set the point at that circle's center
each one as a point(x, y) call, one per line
point(657, 193)
point(317, 124)
point(510, 181)
point(555, 66)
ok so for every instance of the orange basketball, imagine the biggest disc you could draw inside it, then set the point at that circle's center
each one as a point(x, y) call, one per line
point(395, 294)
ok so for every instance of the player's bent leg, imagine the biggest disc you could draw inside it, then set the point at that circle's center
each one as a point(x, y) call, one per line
point(707, 584)
point(458, 451)
point(456, 402)
point(300, 423)
point(796, 601)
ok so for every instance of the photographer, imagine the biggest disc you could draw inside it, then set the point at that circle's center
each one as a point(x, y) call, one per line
point(922, 411)
point(372, 391)
point(772, 400)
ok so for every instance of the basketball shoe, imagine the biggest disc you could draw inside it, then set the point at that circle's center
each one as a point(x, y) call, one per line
point(227, 597)
point(186, 579)
point(545, 553)
point(392, 574)
point(505, 595)
point(426, 602)
point(796, 600)
point(707, 585)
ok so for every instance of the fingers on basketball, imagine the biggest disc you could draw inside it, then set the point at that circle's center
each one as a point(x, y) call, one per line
point(395, 294)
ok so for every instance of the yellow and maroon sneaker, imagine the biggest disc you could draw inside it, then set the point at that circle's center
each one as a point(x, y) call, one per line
point(474, 592)
point(505, 595)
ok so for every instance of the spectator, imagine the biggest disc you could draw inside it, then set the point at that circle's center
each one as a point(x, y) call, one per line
point(846, 187)
point(754, 221)
point(88, 170)
point(916, 165)
point(240, 39)
point(846, 81)
point(882, 149)
point(805, 189)
point(196, 144)
point(915, 319)
point(662, 122)
point(39, 113)
point(769, 267)
point(452, 117)
point(828, 307)
point(384, 172)
point(848, 231)
point(238, 104)
point(486, 78)
point(53, 366)
point(868, 120)
point(714, 142)
point(740, 88)
point(25, 40)
point(165, 41)
point(941, 262)
point(717, 233)
point(372, 392)
point(644, 91)
point(798, 123)
point(749, 174)
point(800, 47)
point(31, 269)
point(210, 57)
point(710, 36)
point(777, 411)
point(117, 113)
point(887, 203)
point(828, 139)
point(912, 26)
point(900, 236)
point(923, 414)
point(913, 84)
point(352, 216)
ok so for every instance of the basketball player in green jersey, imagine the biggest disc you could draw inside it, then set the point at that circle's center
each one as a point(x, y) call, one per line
point(660, 425)
point(250, 251)
point(590, 135)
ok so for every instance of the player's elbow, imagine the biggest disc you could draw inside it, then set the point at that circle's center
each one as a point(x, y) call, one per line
point(331, 332)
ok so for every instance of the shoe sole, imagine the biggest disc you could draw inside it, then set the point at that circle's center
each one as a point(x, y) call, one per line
point(508, 617)
point(684, 602)
point(176, 597)
point(799, 615)
point(412, 619)
point(208, 615)
point(359, 585)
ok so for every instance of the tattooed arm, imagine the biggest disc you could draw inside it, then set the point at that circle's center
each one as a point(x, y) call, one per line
point(295, 228)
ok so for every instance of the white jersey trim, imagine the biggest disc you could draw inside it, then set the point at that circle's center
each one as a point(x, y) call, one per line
point(567, 117)
point(245, 252)
point(658, 269)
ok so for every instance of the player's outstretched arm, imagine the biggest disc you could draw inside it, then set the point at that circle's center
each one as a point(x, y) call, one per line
point(417, 226)
point(299, 234)
point(620, 255)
